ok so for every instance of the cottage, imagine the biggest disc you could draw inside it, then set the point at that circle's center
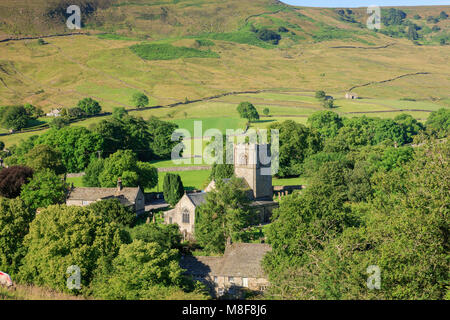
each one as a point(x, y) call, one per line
point(256, 177)
point(129, 197)
point(237, 270)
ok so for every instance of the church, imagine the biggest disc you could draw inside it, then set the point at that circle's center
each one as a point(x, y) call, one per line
point(256, 178)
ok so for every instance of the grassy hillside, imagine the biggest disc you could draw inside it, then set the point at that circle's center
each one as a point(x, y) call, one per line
point(190, 49)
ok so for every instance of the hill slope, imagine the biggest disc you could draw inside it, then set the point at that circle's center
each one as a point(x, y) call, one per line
point(191, 49)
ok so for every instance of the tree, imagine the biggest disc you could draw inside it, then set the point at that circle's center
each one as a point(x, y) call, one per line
point(296, 143)
point(63, 236)
point(172, 188)
point(321, 95)
point(167, 236)
point(268, 36)
point(113, 211)
point(32, 111)
point(59, 122)
point(223, 216)
point(14, 117)
point(248, 111)
point(123, 164)
point(44, 189)
point(139, 271)
point(329, 103)
point(443, 15)
point(139, 100)
point(2, 145)
point(43, 157)
point(76, 113)
point(221, 171)
point(327, 123)
point(438, 123)
point(266, 111)
point(89, 106)
point(12, 179)
point(161, 132)
point(77, 146)
point(412, 126)
point(15, 218)
point(92, 173)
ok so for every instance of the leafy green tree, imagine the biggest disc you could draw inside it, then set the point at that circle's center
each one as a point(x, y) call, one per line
point(14, 117)
point(221, 171)
point(327, 123)
point(268, 36)
point(328, 103)
point(296, 143)
point(438, 123)
point(92, 172)
point(12, 179)
point(248, 111)
point(443, 15)
point(89, 106)
point(15, 218)
point(44, 189)
point(139, 100)
point(137, 270)
point(113, 211)
point(167, 236)
point(412, 33)
point(387, 129)
point(2, 145)
point(76, 113)
point(321, 95)
point(119, 112)
point(59, 122)
point(62, 236)
point(266, 111)
point(123, 164)
point(161, 132)
point(411, 125)
point(172, 188)
point(32, 111)
point(44, 157)
point(77, 145)
point(223, 216)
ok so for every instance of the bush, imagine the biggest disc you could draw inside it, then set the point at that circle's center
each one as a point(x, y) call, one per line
point(139, 100)
point(89, 106)
point(268, 36)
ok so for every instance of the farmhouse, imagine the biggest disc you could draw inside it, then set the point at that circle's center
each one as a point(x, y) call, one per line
point(237, 270)
point(129, 197)
point(54, 113)
point(256, 178)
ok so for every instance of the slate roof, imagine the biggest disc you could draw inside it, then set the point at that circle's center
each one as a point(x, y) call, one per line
point(197, 198)
point(127, 196)
point(239, 260)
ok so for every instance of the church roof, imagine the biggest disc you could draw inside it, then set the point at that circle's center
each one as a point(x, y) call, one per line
point(197, 198)
point(239, 260)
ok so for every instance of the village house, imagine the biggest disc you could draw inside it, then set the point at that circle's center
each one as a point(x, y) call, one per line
point(239, 269)
point(129, 197)
point(256, 178)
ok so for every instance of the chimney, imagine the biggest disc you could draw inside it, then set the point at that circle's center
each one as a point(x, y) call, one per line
point(119, 184)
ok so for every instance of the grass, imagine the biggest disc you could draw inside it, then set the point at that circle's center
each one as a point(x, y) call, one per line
point(31, 292)
point(169, 52)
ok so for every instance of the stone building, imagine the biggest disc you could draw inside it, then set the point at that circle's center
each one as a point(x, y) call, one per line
point(237, 270)
point(351, 96)
point(129, 197)
point(255, 172)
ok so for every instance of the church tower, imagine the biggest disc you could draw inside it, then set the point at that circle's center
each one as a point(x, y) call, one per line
point(253, 163)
